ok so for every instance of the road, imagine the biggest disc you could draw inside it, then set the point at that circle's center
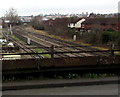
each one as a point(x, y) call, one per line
point(109, 89)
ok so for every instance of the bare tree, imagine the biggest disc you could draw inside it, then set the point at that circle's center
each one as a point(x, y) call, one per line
point(37, 23)
point(12, 16)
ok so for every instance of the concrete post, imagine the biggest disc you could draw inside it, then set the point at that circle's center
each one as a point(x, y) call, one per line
point(28, 41)
point(74, 37)
point(11, 29)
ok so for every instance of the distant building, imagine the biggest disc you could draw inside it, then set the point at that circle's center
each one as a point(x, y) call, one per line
point(7, 21)
point(78, 24)
point(45, 19)
point(26, 19)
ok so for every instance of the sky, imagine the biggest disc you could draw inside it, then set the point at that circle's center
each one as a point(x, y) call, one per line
point(36, 7)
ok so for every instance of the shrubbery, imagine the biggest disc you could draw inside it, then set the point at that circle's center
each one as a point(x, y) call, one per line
point(110, 36)
point(38, 27)
point(99, 37)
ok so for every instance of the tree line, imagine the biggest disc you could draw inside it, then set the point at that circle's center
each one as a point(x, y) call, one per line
point(59, 27)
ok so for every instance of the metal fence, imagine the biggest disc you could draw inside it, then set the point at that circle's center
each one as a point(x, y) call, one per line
point(52, 52)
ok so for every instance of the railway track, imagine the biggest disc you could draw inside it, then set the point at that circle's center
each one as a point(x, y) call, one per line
point(48, 41)
point(22, 46)
point(62, 43)
point(98, 60)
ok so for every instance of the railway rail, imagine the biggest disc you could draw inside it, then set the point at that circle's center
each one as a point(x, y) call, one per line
point(22, 46)
point(45, 41)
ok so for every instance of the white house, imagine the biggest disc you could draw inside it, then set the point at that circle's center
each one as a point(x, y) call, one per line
point(78, 24)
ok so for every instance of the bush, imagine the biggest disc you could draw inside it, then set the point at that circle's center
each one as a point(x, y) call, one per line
point(105, 38)
point(110, 36)
point(38, 27)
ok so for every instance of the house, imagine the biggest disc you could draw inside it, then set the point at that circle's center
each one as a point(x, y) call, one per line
point(77, 24)
point(26, 19)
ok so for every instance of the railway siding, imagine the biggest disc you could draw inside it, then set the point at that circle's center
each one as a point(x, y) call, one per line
point(19, 42)
point(77, 56)
point(48, 41)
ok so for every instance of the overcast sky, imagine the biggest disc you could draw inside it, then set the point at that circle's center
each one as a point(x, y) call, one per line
point(35, 7)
